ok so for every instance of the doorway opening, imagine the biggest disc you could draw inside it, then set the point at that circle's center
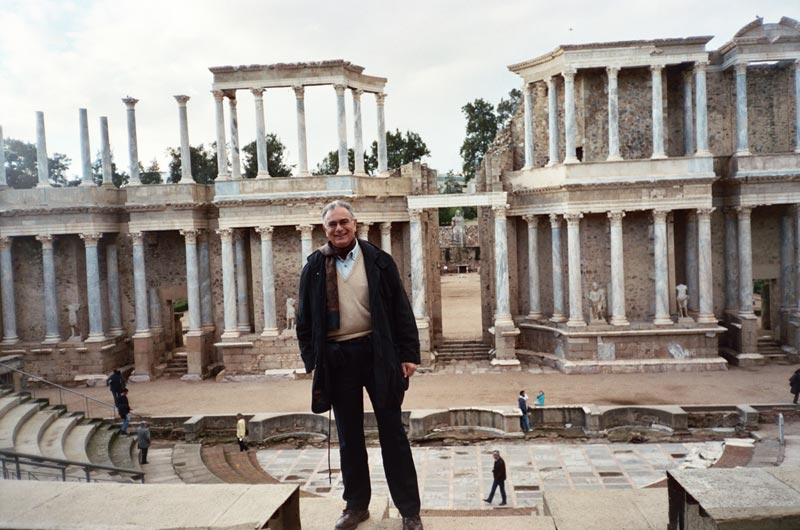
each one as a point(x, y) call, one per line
point(460, 260)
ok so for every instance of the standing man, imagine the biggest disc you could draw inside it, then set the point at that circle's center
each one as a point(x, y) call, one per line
point(143, 441)
point(499, 475)
point(524, 420)
point(356, 330)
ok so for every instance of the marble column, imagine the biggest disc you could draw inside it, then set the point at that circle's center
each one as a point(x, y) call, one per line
point(787, 268)
point(140, 285)
point(742, 142)
point(3, 179)
point(701, 108)
point(386, 237)
point(574, 269)
point(94, 299)
point(558, 270)
point(796, 218)
point(261, 134)
point(42, 164)
point(417, 266)
point(302, 155)
point(242, 302)
point(306, 242)
point(569, 116)
point(51, 334)
point(7, 292)
point(204, 269)
point(662, 316)
point(133, 150)
point(268, 283)
point(502, 314)
point(658, 112)
point(233, 118)
point(192, 280)
point(341, 127)
point(363, 231)
point(535, 311)
point(105, 153)
point(383, 158)
point(796, 107)
point(156, 322)
point(359, 135)
point(552, 121)
point(114, 300)
point(86, 155)
point(613, 114)
point(704, 267)
point(526, 92)
point(745, 264)
point(731, 261)
point(618, 316)
point(690, 264)
point(688, 115)
point(228, 284)
point(222, 149)
point(186, 152)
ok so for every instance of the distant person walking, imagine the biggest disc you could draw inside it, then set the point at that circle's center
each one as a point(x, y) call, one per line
point(143, 441)
point(116, 383)
point(499, 474)
point(123, 409)
point(794, 383)
point(241, 432)
point(524, 420)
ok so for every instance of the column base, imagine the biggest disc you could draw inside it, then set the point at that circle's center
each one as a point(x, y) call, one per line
point(743, 152)
point(361, 174)
point(224, 177)
point(550, 163)
point(572, 160)
point(526, 167)
point(746, 315)
point(156, 330)
point(108, 184)
point(503, 320)
point(10, 340)
point(663, 321)
point(303, 174)
point(658, 156)
point(619, 321)
point(230, 334)
point(534, 315)
point(208, 327)
point(270, 332)
point(84, 184)
point(343, 174)
point(576, 323)
point(41, 185)
point(424, 332)
point(116, 332)
point(706, 319)
point(614, 158)
point(558, 318)
point(51, 339)
point(262, 176)
point(243, 328)
point(704, 153)
point(134, 183)
point(142, 334)
point(96, 338)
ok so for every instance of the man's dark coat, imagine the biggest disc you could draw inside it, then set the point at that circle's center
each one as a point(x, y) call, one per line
point(394, 335)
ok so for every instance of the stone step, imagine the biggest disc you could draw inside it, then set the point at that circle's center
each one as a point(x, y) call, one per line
point(123, 452)
point(9, 402)
point(215, 461)
point(31, 433)
point(13, 420)
point(54, 438)
point(98, 447)
point(187, 461)
point(242, 463)
point(234, 466)
point(159, 468)
point(77, 441)
point(642, 509)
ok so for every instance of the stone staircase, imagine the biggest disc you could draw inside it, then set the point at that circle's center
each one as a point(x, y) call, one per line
point(177, 366)
point(456, 355)
point(773, 352)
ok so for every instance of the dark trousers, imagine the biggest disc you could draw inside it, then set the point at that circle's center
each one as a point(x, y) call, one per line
point(795, 397)
point(143, 455)
point(242, 444)
point(502, 485)
point(351, 370)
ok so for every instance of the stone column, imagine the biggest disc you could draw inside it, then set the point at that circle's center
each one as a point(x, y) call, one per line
point(618, 316)
point(140, 285)
point(268, 283)
point(359, 135)
point(302, 156)
point(688, 115)
point(526, 92)
point(186, 152)
point(306, 243)
point(242, 303)
point(105, 153)
point(745, 264)
point(690, 265)
point(363, 231)
point(42, 164)
point(502, 314)
point(7, 292)
point(796, 107)
point(204, 269)
point(222, 150)
point(742, 143)
point(114, 303)
point(228, 284)
point(156, 323)
point(341, 126)
point(701, 108)
point(133, 150)
point(535, 311)
point(731, 261)
point(417, 266)
point(613, 114)
point(3, 180)
point(383, 158)
point(94, 300)
point(552, 121)
point(704, 270)
point(558, 270)
point(192, 280)
point(233, 118)
point(51, 334)
point(796, 209)
point(261, 134)
point(662, 316)
point(86, 155)
point(386, 237)
point(569, 116)
point(658, 112)
point(574, 266)
point(787, 254)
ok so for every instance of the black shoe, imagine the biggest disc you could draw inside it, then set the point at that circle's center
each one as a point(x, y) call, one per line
point(412, 523)
point(351, 519)
point(503, 503)
point(487, 500)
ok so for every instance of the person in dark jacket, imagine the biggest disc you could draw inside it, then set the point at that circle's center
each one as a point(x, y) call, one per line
point(356, 330)
point(499, 475)
point(794, 384)
point(123, 409)
point(143, 441)
point(115, 383)
point(525, 419)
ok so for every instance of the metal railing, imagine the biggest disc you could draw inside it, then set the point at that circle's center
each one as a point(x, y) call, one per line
point(16, 465)
point(87, 400)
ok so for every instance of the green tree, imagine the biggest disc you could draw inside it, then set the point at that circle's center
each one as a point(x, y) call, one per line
point(481, 130)
point(508, 107)
point(203, 161)
point(275, 158)
point(451, 185)
point(400, 149)
point(21, 167)
point(119, 178)
point(330, 164)
point(151, 175)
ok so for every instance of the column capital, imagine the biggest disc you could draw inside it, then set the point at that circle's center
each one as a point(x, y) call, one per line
point(569, 73)
point(91, 239)
point(182, 99)
point(130, 102)
point(357, 93)
point(190, 236)
point(258, 93)
point(573, 218)
point(46, 240)
point(299, 91)
point(5, 242)
point(612, 71)
point(339, 89)
point(740, 68)
point(137, 238)
point(743, 211)
point(531, 219)
point(656, 68)
point(660, 215)
point(500, 210)
point(363, 230)
point(380, 97)
point(704, 213)
point(238, 234)
point(218, 95)
point(555, 220)
point(265, 231)
point(231, 95)
point(550, 82)
point(225, 234)
point(414, 214)
point(305, 231)
point(386, 228)
point(616, 216)
point(700, 67)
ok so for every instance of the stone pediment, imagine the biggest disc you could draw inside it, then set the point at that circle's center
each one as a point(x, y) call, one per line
point(760, 32)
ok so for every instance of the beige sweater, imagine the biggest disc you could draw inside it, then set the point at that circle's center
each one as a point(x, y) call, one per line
point(354, 316)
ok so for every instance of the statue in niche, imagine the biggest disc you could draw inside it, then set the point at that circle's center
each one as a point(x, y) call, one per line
point(290, 314)
point(457, 223)
point(597, 304)
point(683, 300)
point(72, 311)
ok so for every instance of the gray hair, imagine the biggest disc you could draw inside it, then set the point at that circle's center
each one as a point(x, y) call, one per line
point(338, 204)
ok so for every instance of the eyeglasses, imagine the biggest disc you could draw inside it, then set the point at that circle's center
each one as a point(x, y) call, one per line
point(343, 223)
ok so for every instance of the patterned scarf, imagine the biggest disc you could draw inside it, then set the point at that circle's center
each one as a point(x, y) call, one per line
point(331, 253)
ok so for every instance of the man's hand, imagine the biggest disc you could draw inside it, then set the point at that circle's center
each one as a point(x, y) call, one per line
point(408, 369)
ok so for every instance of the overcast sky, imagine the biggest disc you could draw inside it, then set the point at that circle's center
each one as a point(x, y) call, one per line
point(59, 55)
